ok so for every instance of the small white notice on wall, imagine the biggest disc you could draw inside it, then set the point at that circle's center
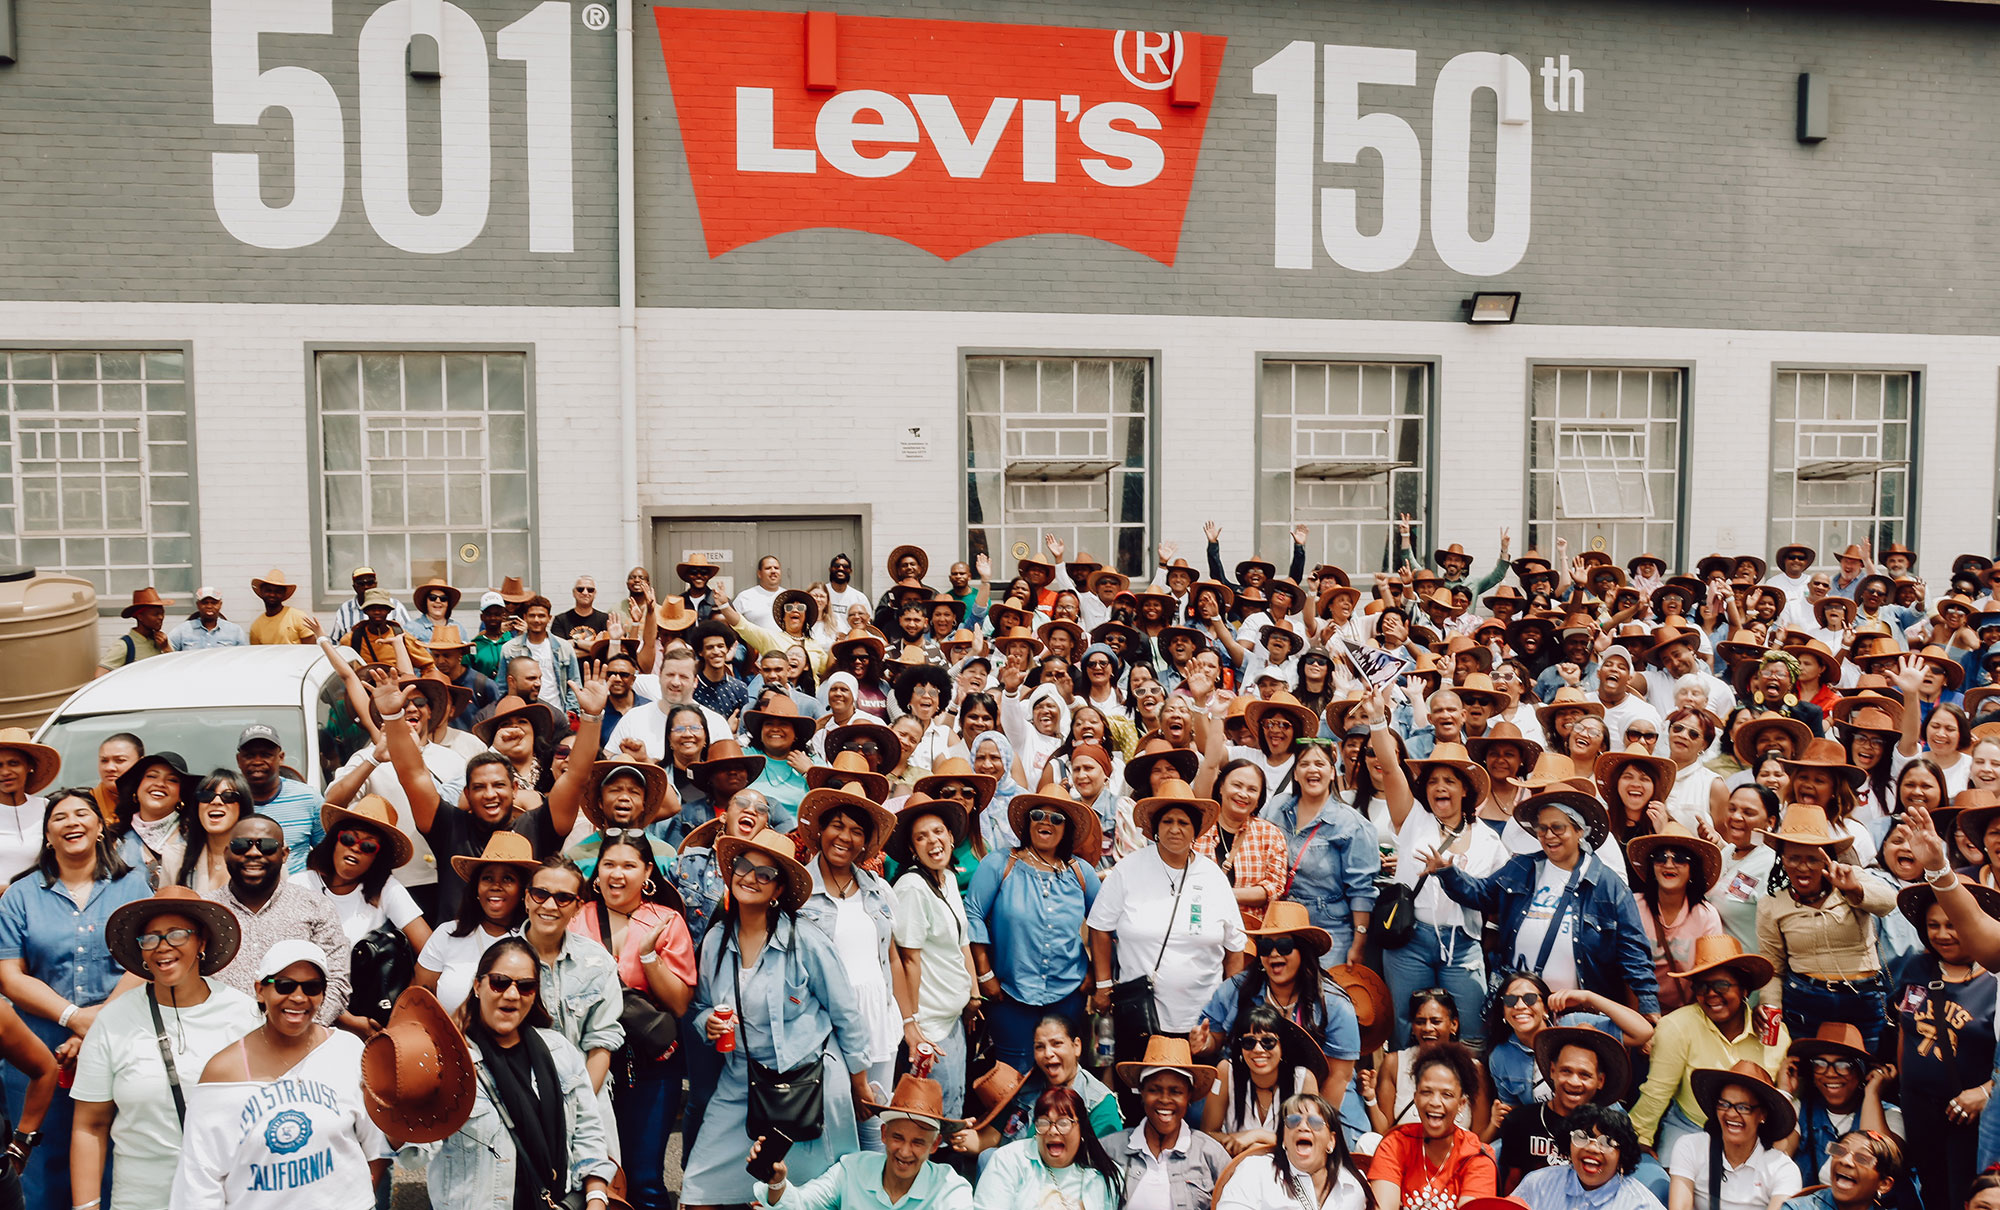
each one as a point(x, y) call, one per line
point(913, 444)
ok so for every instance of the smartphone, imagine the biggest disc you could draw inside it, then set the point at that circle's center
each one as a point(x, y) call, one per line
point(775, 1147)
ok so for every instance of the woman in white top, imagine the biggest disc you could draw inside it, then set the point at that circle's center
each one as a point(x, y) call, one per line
point(351, 867)
point(1275, 727)
point(1746, 860)
point(1732, 1165)
point(495, 907)
point(208, 818)
point(25, 769)
point(1697, 792)
point(1036, 727)
point(277, 1120)
point(934, 971)
point(1269, 1060)
point(1945, 735)
point(1311, 1169)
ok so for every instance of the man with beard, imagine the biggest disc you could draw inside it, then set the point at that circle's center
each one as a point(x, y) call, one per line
point(207, 628)
point(260, 758)
point(841, 594)
point(1581, 1065)
point(271, 910)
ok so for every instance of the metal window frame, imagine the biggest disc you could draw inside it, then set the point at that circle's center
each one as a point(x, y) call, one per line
point(1913, 466)
point(1155, 421)
point(329, 595)
point(1433, 422)
point(1683, 445)
point(108, 607)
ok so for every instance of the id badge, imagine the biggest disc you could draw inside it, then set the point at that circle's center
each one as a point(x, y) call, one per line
point(1743, 887)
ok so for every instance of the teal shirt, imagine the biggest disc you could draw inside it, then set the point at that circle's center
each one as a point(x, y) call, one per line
point(1016, 1179)
point(1098, 1101)
point(782, 786)
point(855, 1183)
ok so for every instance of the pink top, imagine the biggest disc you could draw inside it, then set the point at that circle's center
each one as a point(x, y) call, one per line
point(675, 947)
point(1697, 920)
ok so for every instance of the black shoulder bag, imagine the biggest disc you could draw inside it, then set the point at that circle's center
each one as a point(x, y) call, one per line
point(1395, 918)
point(167, 1057)
point(791, 1102)
point(651, 1032)
point(1135, 1016)
point(379, 971)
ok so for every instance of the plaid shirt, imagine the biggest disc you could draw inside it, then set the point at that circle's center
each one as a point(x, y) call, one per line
point(1258, 858)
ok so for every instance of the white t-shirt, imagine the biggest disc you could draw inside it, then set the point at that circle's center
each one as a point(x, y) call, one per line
point(21, 835)
point(1136, 902)
point(455, 959)
point(1277, 774)
point(120, 1063)
point(447, 770)
point(1660, 693)
point(648, 725)
point(934, 925)
point(1630, 709)
point(551, 684)
point(1483, 854)
point(754, 603)
point(1765, 1175)
point(839, 601)
point(1559, 972)
point(358, 917)
point(1254, 1186)
point(300, 1142)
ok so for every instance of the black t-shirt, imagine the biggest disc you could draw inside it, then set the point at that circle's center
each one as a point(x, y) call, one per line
point(1947, 1033)
point(455, 832)
point(570, 619)
point(1528, 1139)
point(540, 831)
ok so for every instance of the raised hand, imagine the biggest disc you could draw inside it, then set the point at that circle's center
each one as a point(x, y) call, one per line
point(594, 691)
point(982, 563)
point(1211, 531)
point(1506, 541)
point(1846, 878)
point(1054, 546)
point(388, 697)
point(1168, 550)
point(1909, 675)
point(1925, 841)
point(633, 748)
point(1299, 535)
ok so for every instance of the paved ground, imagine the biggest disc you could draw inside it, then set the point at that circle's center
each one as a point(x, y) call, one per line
point(408, 1191)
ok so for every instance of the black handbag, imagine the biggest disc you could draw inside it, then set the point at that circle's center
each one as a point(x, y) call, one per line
point(792, 1102)
point(1395, 918)
point(651, 1032)
point(379, 970)
point(1135, 1015)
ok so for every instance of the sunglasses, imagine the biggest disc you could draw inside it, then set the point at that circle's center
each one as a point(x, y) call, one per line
point(230, 797)
point(1716, 987)
point(1684, 729)
point(956, 789)
point(764, 874)
point(359, 842)
point(1846, 1067)
point(1673, 857)
point(1860, 1153)
point(563, 899)
point(1043, 815)
point(267, 845)
point(500, 983)
point(149, 942)
point(437, 596)
point(1521, 999)
point(1258, 1042)
point(1280, 947)
point(1632, 734)
point(285, 987)
point(1311, 1121)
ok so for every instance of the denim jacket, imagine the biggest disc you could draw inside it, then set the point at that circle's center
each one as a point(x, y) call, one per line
point(1193, 1163)
point(583, 994)
point(560, 653)
point(811, 999)
point(1612, 953)
point(474, 1168)
point(1336, 857)
point(876, 897)
point(699, 880)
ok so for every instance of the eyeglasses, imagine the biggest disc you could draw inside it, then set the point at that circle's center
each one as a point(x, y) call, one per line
point(230, 797)
point(764, 874)
point(285, 987)
point(578, 589)
point(267, 845)
point(1049, 1126)
point(1583, 1140)
point(1258, 1042)
point(689, 729)
point(1043, 815)
point(500, 983)
point(1715, 987)
point(1311, 1121)
point(1684, 729)
point(149, 942)
point(618, 674)
point(1521, 999)
point(1277, 947)
point(1737, 1109)
point(436, 596)
point(359, 842)
point(1860, 1153)
point(1555, 831)
point(1845, 1067)
point(563, 899)
point(1673, 857)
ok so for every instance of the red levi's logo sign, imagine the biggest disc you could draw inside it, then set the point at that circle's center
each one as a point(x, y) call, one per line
point(949, 135)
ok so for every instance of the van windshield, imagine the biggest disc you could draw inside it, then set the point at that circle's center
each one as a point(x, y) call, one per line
point(205, 738)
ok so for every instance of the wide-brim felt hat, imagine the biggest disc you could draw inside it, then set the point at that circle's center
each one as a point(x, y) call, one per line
point(1504, 733)
point(955, 769)
point(1915, 901)
point(1951, 670)
point(1288, 919)
point(1596, 821)
point(145, 598)
point(446, 636)
point(1611, 764)
point(1612, 1061)
point(502, 848)
point(1568, 697)
point(778, 847)
point(888, 749)
point(417, 1079)
point(1780, 1119)
point(1726, 952)
point(654, 779)
point(993, 1092)
point(1374, 1008)
point(1172, 1053)
point(275, 578)
point(513, 592)
point(435, 582)
point(1305, 722)
point(780, 711)
point(446, 699)
point(914, 808)
point(1085, 834)
point(1106, 576)
point(1169, 634)
point(673, 616)
point(1744, 741)
point(1852, 714)
point(1830, 602)
point(1139, 770)
point(696, 564)
point(851, 770)
point(1974, 815)
point(874, 817)
point(223, 932)
point(1803, 823)
point(917, 1097)
point(1833, 1040)
point(1203, 811)
point(723, 756)
point(379, 816)
point(508, 708)
point(128, 781)
point(1135, 642)
point(1674, 835)
point(1452, 756)
point(844, 650)
point(917, 552)
point(1269, 568)
point(793, 596)
point(1826, 755)
point(44, 762)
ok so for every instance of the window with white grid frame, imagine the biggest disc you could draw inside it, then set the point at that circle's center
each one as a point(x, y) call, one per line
point(1059, 445)
point(1841, 453)
point(424, 466)
point(1343, 452)
point(1604, 447)
point(97, 468)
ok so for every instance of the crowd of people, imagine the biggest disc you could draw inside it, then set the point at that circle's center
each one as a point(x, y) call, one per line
point(1572, 885)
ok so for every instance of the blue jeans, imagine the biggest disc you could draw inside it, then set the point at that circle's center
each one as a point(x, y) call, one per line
point(948, 1069)
point(1013, 1026)
point(1989, 1133)
point(1451, 960)
point(1675, 1125)
point(646, 1106)
point(45, 1181)
point(1808, 1007)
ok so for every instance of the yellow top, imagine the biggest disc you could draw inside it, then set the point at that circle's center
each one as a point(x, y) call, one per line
point(1685, 1040)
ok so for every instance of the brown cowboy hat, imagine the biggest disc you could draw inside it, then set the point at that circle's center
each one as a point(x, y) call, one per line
point(1611, 764)
point(917, 1098)
point(1803, 823)
point(1830, 602)
point(780, 711)
point(888, 749)
point(502, 848)
point(448, 637)
point(1333, 592)
point(514, 592)
point(953, 768)
point(1172, 1054)
point(1175, 793)
point(914, 808)
point(1569, 697)
point(275, 578)
point(1666, 638)
point(850, 769)
point(1506, 594)
point(438, 582)
point(854, 641)
point(1154, 750)
point(1374, 1009)
point(1337, 711)
point(446, 699)
point(1833, 1040)
point(1085, 834)
point(1504, 732)
point(1532, 564)
point(417, 1080)
point(378, 816)
point(1675, 835)
point(1829, 659)
point(696, 564)
point(1632, 564)
point(1975, 815)
point(673, 616)
point(1478, 687)
point(1741, 647)
point(775, 845)
point(1868, 712)
point(1074, 631)
point(1726, 952)
point(722, 756)
point(1288, 919)
point(1454, 551)
point(993, 1092)
point(511, 707)
point(916, 552)
point(654, 781)
point(1826, 754)
point(144, 598)
point(1747, 742)
point(1951, 670)
point(44, 762)
point(1554, 771)
point(874, 817)
point(1915, 902)
point(1305, 722)
point(126, 923)
point(1780, 1119)
point(1465, 644)
point(1597, 825)
point(1453, 756)
point(1612, 1061)
point(1106, 576)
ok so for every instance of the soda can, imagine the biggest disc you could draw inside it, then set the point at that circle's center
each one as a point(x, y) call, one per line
point(1768, 1019)
point(725, 1016)
point(922, 1059)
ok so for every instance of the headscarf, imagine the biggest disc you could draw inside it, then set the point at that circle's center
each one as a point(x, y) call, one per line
point(841, 678)
point(993, 825)
point(1048, 692)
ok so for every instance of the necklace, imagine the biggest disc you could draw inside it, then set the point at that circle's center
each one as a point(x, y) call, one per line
point(1037, 860)
point(834, 888)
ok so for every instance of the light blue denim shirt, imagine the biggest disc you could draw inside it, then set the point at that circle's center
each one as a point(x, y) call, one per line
point(876, 897)
point(1336, 857)
point(475, 1166)
point(794, 996)
point(1032, 921)
point(62, 943)
point(582, 992)
point(191, 635)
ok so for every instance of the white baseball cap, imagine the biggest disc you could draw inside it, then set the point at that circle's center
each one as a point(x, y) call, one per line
point(489, 599)
point(207, 594)
point(288, 951)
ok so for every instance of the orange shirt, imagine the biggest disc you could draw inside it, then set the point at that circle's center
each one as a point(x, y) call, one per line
point(1469, 1171)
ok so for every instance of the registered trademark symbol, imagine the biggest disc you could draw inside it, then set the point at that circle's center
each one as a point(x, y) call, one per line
point(596, 16)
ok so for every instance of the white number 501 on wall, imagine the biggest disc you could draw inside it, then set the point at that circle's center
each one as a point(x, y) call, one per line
point(244, 91)
point(1288, 76)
